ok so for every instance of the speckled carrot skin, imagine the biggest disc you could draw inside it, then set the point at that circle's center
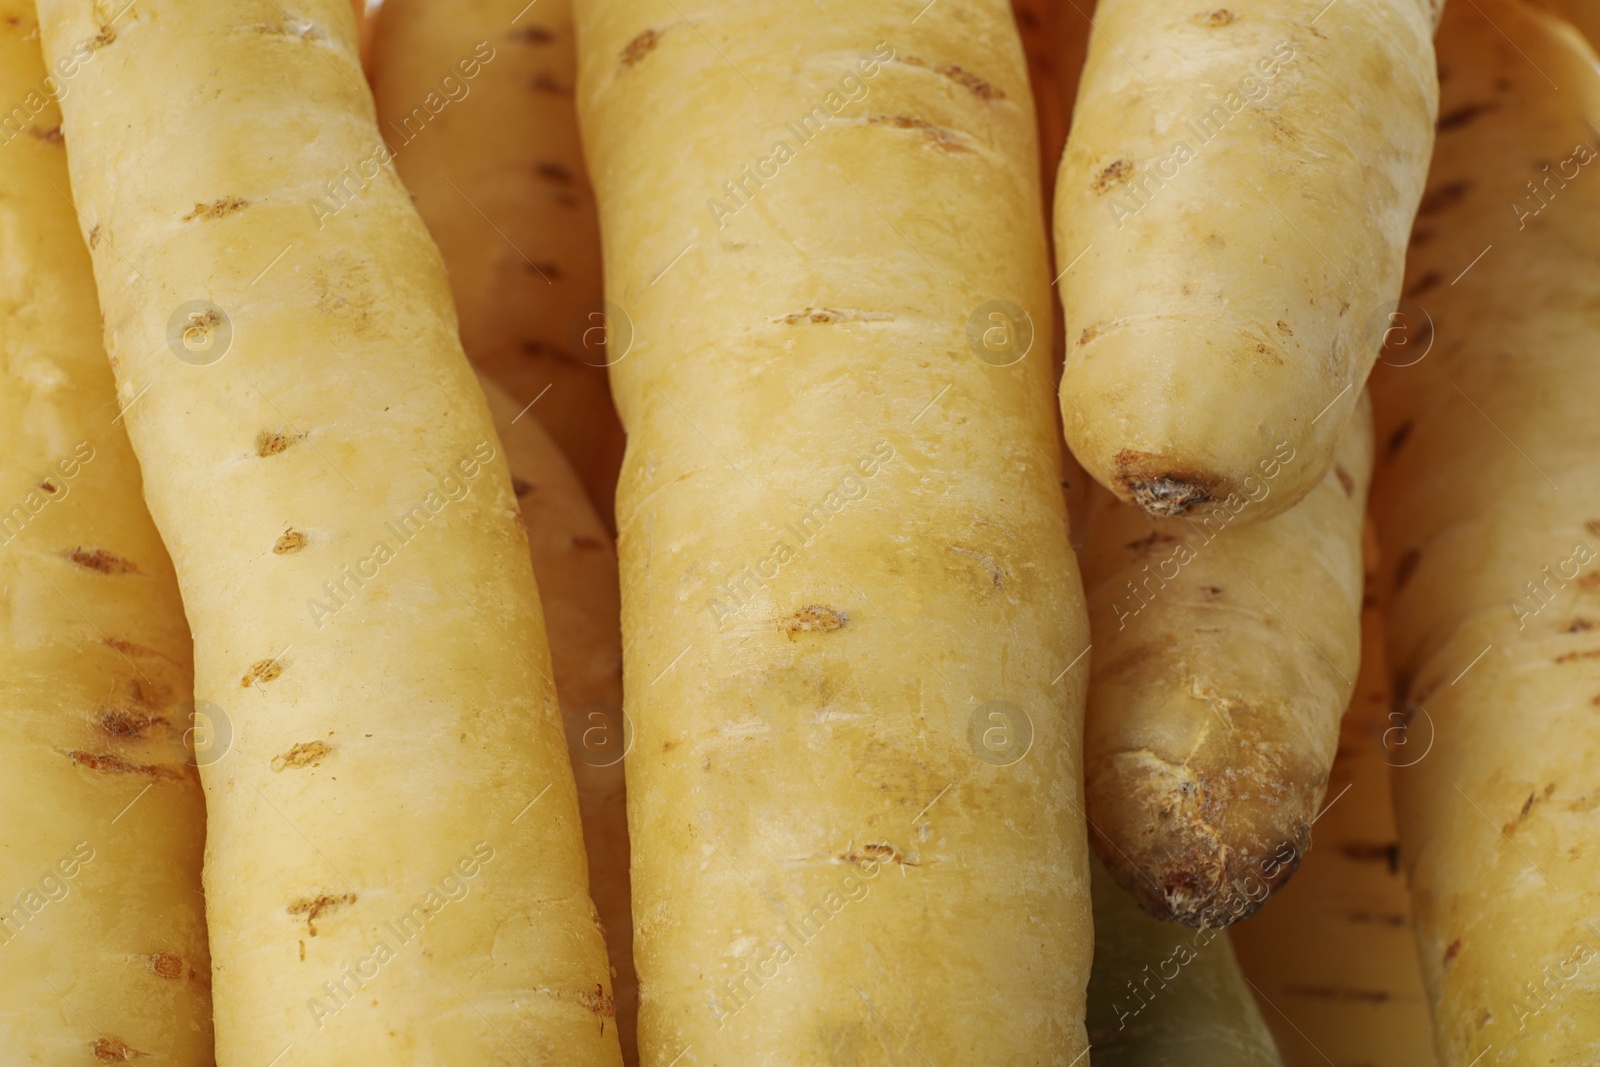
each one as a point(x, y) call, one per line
point(1486, 499)
point(1239, 183)
point(1225, 653)
point(499, 178)
point(394, 864)
point(843, 848)
point(102, 926)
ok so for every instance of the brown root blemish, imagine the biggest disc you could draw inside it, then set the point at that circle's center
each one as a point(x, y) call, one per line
point(1373, 852)
point(1589, 582)
point(94, 236)
point(47, 486)
point(996, 576)
point(1345, 480)
point(1406, 566)
point(554, 172)
point(271, 442)
point(291, 541)
point(262, 671)
point(101, 561)
point(1345, 994)
point(1114, 173)
point(48, 134)
point(112, 1049)
point(585, 542)
point(824, 316)
point(1166, 496)
point(980, 87)
point(1570, 657)
point(546, 84)
point(129, 725)
point(1451, 953)
point(599, 1002)
point(1447, 195)
point(1213, 19)
point(1398, 438)
point(1453, 120)
point(1284, 328)
point(1580, 624)
point(1149, 541)
point(106, 763)
point(1089, 333)
point(314, 907)
point(548, 271)
point(519, 487)
point(533, 35)
point(874, 852)
point(635, 50)
point(814, 618)
point(940, 136)
point(302, 951)
point(166, 964)
point(216, 209)
point(305, 754)
point(1424, 284)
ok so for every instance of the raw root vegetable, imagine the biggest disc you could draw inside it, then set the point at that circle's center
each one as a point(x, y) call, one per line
point(1487, 503)
point(1224, 656)
point(575, 565)
point(395, 870)
point(1236, 194)
point(1334, 956)
point(102, 927)
point(1164, 996)
point(850, 611)
point(498, 176)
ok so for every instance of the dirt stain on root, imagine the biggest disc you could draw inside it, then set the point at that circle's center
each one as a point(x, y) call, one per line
point(216, 209)
point(114, 1050)
point(305, 754)
point(824, 316)
point(878, 852)
point(98, 559)
point(937, 134)
point(814, 618)
point(262, 670)
point(314, 907)
point(1113, 173)
point(1213, 19)
point(291, 541)
point(109, 764)
point(129, 725)
point(635, 50)
point(166, 964)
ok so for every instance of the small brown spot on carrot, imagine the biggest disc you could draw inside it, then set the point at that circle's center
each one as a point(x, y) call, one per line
point(937, 134)
point(520, 487)
point(1422, 285)
point(1089, 333)
point(94, 236)
point(216, 209)
point(1150, 540)
point(1213, 19)
point(1569, 657)
point(109, 764)
point(1462, 115)
point(305, 754)
point(166, 964)
point(302, 952)
point(635, 50)
point(98, 559)
point(1589, 582)
point(1578, 625)
point(585, 541)
point(982, 89)
point(554, 172)
point(314, 907)
point(1451, 953)
point(1284, 328)
point(291, 541)
point(111, 1049)
point(1447, 195)
point(814, 618)
point(1345, 480)
point(1406, 566)
point(548, 271)
point(533, 35)
point(544, 83)
point(1399, 436)
point(271, 442)
point(129, 724)
point(49, 134)
point(600, 1003)
point(262, 670)
point(1113, 173)
point(875, 852)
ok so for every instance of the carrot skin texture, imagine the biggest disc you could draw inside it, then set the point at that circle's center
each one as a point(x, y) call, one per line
point(102, 926)
point(499, 178)
point(813, 706)
point(1239, 182)
point(575, 564)
point(1226, 653)
point(394, 865)
point(1485, 502)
